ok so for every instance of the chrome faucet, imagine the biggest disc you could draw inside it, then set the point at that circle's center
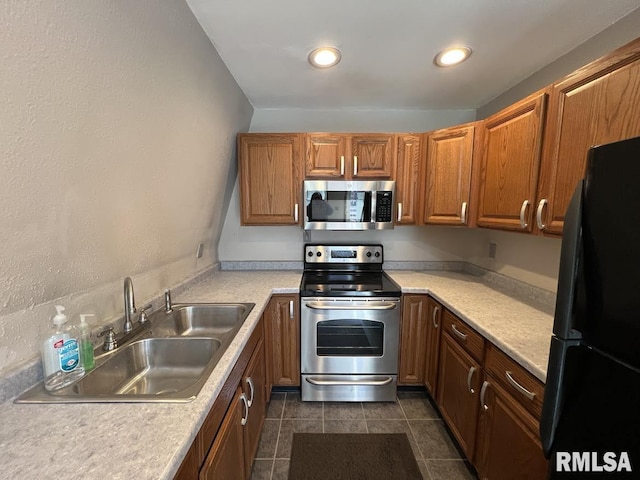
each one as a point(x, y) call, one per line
point(129, 305)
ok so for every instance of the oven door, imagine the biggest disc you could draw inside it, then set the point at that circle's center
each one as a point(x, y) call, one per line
point(350, 336)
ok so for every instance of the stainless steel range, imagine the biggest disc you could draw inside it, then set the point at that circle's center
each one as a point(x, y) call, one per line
point(350, 325)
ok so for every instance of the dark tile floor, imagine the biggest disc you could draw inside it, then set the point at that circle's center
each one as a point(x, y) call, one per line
point(412, 413)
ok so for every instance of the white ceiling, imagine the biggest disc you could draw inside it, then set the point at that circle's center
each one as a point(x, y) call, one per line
point(388, 47)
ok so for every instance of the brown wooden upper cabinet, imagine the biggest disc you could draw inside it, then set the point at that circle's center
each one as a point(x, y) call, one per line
point(350, 156)
point(447, 177)
point(510, 160)
point(597, 104)
point(270, 178)
point(408, 179)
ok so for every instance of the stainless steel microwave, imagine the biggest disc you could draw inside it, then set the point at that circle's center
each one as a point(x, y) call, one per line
point(348, 205)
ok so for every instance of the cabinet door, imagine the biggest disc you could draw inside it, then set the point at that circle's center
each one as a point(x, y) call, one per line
point(373, 156)
point(434, 320)
point(254, 388)
point(325, 155)
point(408, 179)
point(226, 457)
point(597, 104)
point(413, 336)
point(510, 161)
point(448, 176)
point(283, 340)
point(458, 384)
point(270, 180)
point(508, 440)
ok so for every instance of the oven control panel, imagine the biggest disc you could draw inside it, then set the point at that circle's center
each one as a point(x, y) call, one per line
point(343, 254)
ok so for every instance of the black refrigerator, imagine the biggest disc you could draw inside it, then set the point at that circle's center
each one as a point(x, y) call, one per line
point(590, 424)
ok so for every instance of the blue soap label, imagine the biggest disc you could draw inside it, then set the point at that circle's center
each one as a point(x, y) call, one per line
point(69, 355)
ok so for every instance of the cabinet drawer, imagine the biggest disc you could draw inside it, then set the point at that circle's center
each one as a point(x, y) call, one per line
point(471, 340)
point(515, 380)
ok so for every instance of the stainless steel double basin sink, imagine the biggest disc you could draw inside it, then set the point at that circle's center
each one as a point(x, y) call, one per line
point(167, 361)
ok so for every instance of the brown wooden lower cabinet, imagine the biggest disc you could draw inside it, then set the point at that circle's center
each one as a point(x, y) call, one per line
point(226, 457)
point(282, 327)
point(508, 439)
point(434, 322)
point(413, 340)
point(226, 444)
point(457, 398)
point(490, 403)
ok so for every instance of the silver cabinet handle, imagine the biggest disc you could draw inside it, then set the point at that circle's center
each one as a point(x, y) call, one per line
point(372, 383)
point(472, 370)
point(520, 388)
point(243, 422)
point(355, 166)
point(541, 205)
point(463, 336)
point(342, 165)
point(367, 306)
point(291, 309)
point(295, 213)
point(434, 315)
point(483, 391)
point(399, 212)
point(250, 383)
point(523, 211)
point(463, 213)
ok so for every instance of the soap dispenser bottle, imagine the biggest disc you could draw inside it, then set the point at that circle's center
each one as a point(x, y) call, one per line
point(86, 346)
point(61, 353)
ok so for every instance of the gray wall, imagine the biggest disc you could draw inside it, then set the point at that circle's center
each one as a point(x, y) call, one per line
point(618, 34)
point(118, 126)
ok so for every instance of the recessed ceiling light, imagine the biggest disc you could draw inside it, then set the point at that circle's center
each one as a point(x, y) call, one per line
point(452, 56)
point(324, 57)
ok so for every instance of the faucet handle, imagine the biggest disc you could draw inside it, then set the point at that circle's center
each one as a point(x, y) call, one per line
point(143, 314)
point(167, 301)
point(110, 342)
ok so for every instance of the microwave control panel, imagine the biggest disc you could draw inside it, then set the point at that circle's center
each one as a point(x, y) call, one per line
point(384, 206)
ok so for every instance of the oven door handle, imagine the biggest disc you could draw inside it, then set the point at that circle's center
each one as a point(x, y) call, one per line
point(367, 306)
point(372, 383)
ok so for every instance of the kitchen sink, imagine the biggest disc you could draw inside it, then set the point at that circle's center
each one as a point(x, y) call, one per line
point(169, 361)
point(201, 320)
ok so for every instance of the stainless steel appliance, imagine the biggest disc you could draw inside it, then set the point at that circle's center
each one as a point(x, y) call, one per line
point(591, 408)
point(348, 205)
point(350, 325)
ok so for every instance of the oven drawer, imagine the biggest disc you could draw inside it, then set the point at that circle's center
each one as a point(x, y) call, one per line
point(349, 388)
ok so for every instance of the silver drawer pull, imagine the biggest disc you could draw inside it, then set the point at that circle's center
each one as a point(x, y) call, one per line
point(463, 213)
point(434, 315)
point(368, 306)
point(520, 388)
point(463, 336)
point(523, 211)
point(250, 383)
point(472, 370)
point(246, 410)
point(399, 212)
point(483, 392)
point(372, 383)
point(355, 166)
point(291, 309)
point(295, 213)
point(541, 205)
point(342, 166)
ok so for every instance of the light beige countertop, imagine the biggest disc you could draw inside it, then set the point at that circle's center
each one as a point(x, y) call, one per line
point(149, 441)
point(518, 326)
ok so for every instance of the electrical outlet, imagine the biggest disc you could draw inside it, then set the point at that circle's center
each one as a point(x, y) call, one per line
point(306, 236)
point(492, 250)
point(200, 250)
